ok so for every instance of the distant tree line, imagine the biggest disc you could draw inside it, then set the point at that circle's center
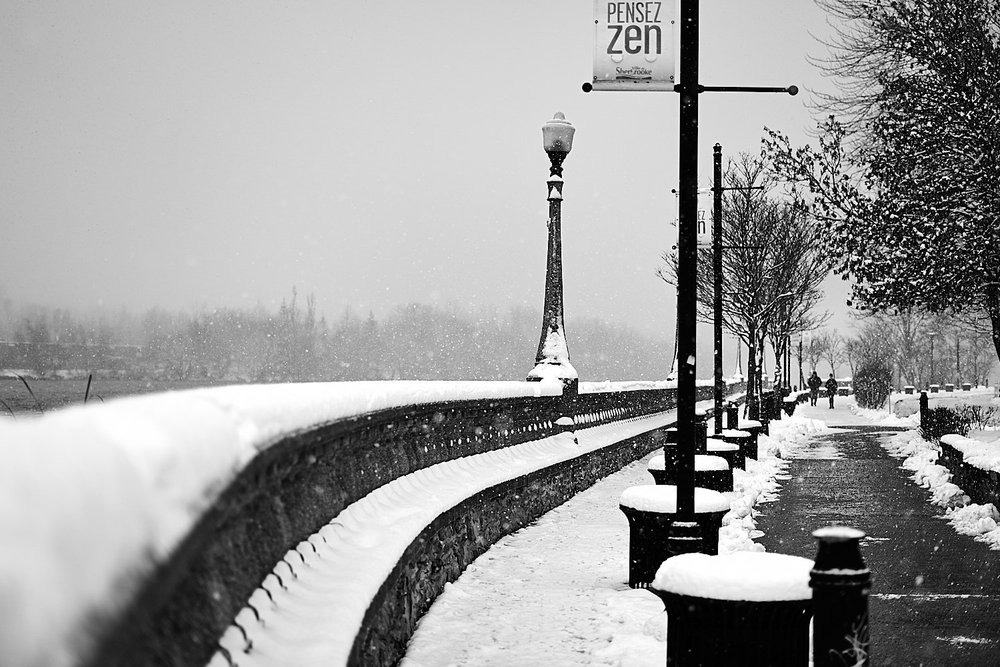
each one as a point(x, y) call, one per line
point(296, 343)
point(917, 348)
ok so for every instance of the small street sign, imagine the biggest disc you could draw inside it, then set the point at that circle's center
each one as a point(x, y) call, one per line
point(634, 46)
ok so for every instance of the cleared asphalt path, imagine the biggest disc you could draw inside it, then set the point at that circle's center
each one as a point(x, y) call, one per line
point(935, 594)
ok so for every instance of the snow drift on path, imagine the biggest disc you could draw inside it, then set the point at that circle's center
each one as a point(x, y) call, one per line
point(920, 456)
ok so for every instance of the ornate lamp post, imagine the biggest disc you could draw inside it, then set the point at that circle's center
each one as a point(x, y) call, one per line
point(552, 359)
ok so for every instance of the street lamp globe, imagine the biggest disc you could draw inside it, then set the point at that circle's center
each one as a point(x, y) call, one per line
point(557, 135)
point(557, 140)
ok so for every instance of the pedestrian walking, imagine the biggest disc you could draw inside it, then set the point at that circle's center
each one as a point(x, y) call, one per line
point(815, 382)
point(831, 389)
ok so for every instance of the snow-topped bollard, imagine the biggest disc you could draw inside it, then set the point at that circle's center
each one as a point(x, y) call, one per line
point(748, 608)
point(710, 472)
point(909, 389)
point(840, 583)
point(700, 431)
point(924, 407)
point(743, 439)
point(651, 512)
point(727, 450)
point(732, 415)
point(935, 388)
point(754, 428)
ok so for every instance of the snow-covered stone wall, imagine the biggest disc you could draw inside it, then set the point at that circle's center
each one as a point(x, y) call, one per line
point(136, 530)
point(974, 466)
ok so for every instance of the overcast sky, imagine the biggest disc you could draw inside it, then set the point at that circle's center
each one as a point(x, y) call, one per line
point(192, 154)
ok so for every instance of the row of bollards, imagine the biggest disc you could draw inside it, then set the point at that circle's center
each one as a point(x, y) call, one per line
point(746, 608)
point(754, 609)
point(652, 512)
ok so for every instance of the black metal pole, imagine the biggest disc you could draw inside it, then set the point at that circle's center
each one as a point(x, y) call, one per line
point(687, 261)
point(720, 385)
point(753, 397)
point(932, 362)
point(802, 378)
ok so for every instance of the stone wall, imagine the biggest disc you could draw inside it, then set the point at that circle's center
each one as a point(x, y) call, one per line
point(446, 547)
point(175, 614)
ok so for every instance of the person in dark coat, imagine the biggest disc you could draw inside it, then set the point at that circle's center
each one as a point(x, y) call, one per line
point(831, 389)
point(814, 382)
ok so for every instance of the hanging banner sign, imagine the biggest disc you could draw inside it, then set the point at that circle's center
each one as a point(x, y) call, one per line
point(706, 201)
point(704, 228)
point(634, 49)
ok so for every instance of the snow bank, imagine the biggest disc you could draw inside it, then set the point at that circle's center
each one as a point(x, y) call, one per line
point(92, 497)
point(905, 405)
point(789, 436)
point(887, 418)
point(755, 577)
point(967, 518)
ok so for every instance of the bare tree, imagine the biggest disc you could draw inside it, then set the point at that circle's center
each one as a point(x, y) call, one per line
point(772, 268)
point(833, 350)
point(814, 350)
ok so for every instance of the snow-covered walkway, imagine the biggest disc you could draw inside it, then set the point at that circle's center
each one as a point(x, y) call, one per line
point(555, 593)
point(933, 588)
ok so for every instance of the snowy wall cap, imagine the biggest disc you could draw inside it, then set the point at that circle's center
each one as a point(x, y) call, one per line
point(744, 575)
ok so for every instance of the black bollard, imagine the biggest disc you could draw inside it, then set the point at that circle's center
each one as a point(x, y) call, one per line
point(700, 434)
point(923, 409)
point(840, 583)
point(732, 415)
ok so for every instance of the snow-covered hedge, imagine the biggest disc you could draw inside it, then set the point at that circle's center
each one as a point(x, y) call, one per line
point(983, 455)
point(974, 466)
